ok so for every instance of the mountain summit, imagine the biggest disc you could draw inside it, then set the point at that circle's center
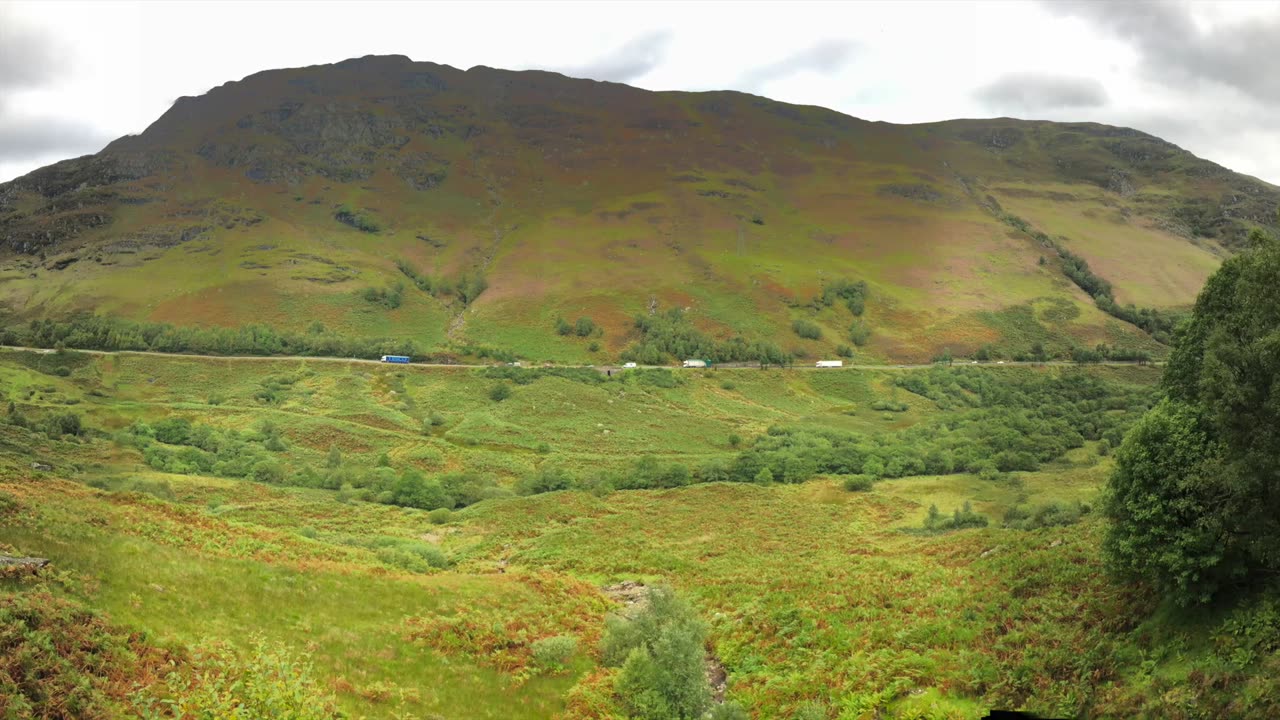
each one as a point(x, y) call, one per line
point(381, 196)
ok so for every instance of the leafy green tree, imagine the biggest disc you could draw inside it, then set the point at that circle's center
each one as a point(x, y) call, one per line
point(661, 651)
point(1195, 497)
point(500, 392)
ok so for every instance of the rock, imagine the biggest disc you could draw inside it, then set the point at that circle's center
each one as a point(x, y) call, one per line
point(30, 564)
point(630, 593)
point(1056, 543)
point(41, 467)
point(990, 552)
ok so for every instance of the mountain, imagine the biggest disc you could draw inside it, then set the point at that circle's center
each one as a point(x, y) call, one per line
point(505, 201)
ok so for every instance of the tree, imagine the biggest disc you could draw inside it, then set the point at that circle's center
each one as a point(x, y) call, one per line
point(335, 457)
point(662, 653)
point(500, 392)
point(1195, 497)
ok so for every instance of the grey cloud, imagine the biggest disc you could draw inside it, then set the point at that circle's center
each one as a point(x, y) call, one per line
point(1037, 92)
point(30, 138)
point(633, 60)
point(28, 58)
point(1175, 51)
point(825, 57)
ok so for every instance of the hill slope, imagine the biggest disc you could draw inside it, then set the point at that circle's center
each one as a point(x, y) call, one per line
point(517, 198)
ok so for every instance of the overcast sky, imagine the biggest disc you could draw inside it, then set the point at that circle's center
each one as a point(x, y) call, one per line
point(1203, 75)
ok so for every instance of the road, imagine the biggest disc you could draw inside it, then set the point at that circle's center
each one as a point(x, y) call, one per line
point(601, 368)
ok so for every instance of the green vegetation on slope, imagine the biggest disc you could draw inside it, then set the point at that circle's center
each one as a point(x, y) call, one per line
point(816, 600)
point(567, 199)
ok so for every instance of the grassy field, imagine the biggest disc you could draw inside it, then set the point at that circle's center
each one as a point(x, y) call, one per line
point(819, 600)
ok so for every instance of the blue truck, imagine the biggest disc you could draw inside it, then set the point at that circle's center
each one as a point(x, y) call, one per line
point(402, 359)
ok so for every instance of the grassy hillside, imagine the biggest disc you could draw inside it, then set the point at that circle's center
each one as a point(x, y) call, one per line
point(283, 198)
point(821, 602)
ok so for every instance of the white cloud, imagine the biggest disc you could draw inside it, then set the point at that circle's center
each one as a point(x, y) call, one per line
point(899, 62)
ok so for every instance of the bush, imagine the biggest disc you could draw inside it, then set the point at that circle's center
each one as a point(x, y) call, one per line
point(440, 516)
point(735, 440)
point(415, 557)
point(962, 518)
point(546, 479)
point(859, 333)
point(1053, 514)
point(807, 330)
point(554, 653)
point(62, 371)
point(173, 431)
point(358, 219)
point(844, 351)
point(858, 483)
point(584, 327)
point(500, 392)
point(269, 683)
point(64, 424)
point(728, 385)
point(661, 652)
point(563, 327)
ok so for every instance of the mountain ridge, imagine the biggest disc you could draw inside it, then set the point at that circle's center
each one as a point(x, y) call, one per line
point(298, 190)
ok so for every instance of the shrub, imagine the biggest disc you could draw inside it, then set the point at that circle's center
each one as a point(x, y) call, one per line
point(440, 516)
point(584, 327)
point(859, 333)
point(546, 479)
point(563, 327)
point(554, 653)
point(269, 683)
point(500, 392)
point(8, 503)
point(844, 351)
point(735, 440)
point(62, 371)
point(174, 431)
point(858, 483)
point(358, 219)
point(64, 424)
point(661, 652)
point(415, 557)
point(268, 471)
point(807, 330)
point(1053, 514)
point(728, 385)
point(962, 518)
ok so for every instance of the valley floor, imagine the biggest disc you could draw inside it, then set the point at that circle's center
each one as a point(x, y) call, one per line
point(821, 602)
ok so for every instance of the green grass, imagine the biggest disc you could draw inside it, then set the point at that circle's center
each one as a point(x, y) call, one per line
point(814, 594)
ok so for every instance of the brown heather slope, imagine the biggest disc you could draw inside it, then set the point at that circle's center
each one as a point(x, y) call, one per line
point(576, 197)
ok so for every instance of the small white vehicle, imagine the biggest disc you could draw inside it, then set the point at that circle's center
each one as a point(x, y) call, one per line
point(628, 365)
point(830, 363)
point(999, 362)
